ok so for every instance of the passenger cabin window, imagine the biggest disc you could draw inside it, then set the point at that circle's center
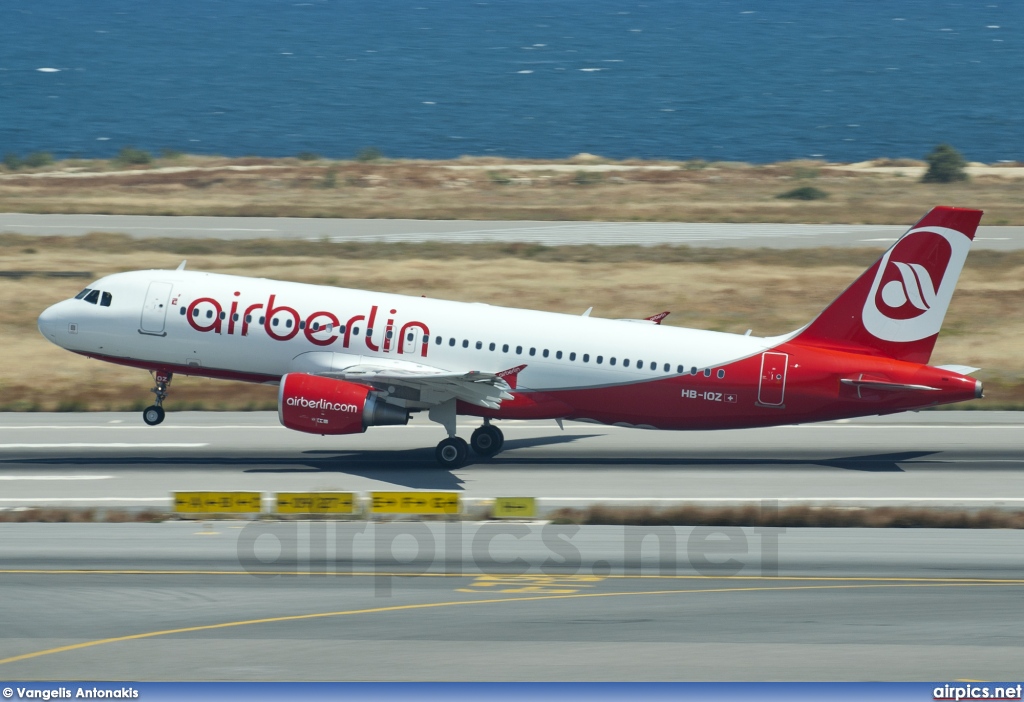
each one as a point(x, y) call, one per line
point(439, 340)
point(558, 355)
point(533, 351)
point(182, 311)
point(586, 358)
point(721, 373)
point(679, 369)
point(612, 360)
point(654, 366)
point(707, 372)
point(572, 356)
point(451, 341)
point(492, 346)
point(600, 359)
point(93, 297)
point(519, 349)
point(545, 354)
point(625, 362)
point(479, 345)
point(465, 343)
point(106, 299)
point(504, 348)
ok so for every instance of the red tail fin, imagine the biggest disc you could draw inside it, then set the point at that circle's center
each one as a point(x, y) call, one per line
point(896, 307)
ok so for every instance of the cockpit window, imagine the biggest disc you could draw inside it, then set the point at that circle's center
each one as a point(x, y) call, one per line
point(93, 297)
point(82, 294)
point(106, 299)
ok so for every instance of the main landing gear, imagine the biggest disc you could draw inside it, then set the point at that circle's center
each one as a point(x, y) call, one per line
point(451, 453)
point(486, 442)
point(154, 414)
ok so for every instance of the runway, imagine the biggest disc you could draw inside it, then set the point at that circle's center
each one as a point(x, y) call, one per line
point(455, 600)
point(938, 459)
point(780, 236)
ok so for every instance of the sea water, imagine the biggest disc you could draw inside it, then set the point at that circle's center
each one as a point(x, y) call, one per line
point(721, 80)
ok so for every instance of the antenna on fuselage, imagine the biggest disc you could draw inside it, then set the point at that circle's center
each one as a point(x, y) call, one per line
point(181, 266)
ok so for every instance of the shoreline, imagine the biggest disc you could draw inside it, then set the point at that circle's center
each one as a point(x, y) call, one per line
point(582, 188)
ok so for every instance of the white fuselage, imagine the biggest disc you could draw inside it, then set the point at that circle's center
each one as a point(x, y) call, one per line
point(199, 320)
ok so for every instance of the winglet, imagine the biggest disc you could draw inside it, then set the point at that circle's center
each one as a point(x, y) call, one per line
point(181, 266)
point(510, 376)
point(657, 318)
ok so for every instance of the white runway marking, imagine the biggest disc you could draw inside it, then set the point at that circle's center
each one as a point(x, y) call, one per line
point(56, 477)
point(105, 445)
point(48, 500)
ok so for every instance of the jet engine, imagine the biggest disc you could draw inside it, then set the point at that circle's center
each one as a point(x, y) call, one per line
point(319, 405)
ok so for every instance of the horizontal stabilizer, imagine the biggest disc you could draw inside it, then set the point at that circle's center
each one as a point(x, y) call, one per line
point(869, 384)
point(962, 370)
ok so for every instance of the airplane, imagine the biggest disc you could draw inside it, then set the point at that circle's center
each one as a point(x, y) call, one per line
point(346, 360)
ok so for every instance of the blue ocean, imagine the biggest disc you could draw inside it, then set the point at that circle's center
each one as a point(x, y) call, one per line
point(742, 80)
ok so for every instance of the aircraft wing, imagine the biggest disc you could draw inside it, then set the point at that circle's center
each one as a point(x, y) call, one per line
point(430, 385)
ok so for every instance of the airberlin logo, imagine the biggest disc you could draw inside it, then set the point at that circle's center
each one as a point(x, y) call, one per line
point(914, 283)
point(911, 295)
point(322, 405)
point(281, 322)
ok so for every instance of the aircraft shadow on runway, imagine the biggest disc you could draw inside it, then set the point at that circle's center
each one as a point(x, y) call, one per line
point(416, 469)
point(870, 463)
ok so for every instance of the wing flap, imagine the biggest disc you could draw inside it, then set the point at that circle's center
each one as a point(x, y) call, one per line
point(435, 385)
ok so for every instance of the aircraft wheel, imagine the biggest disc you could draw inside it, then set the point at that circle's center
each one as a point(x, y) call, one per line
point(153, 415)
point(487, 441)
point(452, 452)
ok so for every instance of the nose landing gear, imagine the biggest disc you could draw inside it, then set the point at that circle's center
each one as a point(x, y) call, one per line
point(154, 414)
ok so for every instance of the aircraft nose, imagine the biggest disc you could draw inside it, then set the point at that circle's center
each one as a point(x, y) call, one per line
point(48, 322)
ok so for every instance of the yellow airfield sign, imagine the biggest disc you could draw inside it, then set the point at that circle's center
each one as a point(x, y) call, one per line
point(316, 502)
point(414, 503)
point(514, 507)
point(217, 502)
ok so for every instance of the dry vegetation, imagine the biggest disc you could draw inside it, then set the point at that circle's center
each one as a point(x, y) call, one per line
point(828, 517)
point(686, 515)
point(583, 188)
point(770, 291)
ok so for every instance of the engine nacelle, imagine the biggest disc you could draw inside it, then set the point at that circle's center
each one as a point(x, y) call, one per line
point(319, 405)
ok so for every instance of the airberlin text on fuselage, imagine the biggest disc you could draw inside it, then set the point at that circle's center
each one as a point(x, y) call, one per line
point(321, 328)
